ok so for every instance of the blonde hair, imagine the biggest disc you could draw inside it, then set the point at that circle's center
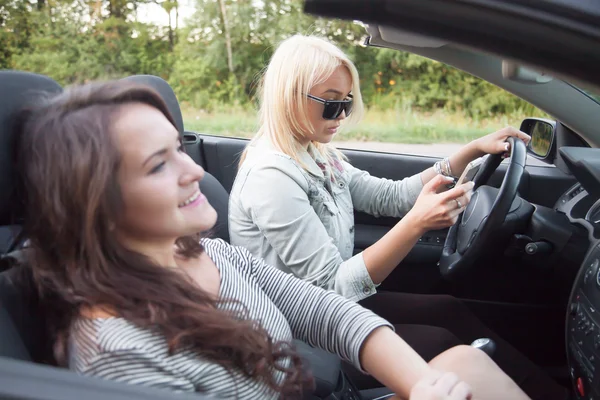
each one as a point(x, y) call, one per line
point(298, 64)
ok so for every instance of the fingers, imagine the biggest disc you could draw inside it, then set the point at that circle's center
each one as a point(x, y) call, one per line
point(449, 387)
point(431, 377)
point(439, 211)
point(502, 146)
point(451, 212)
point(457, 206)
point(435, 182)
point(446, 383)
point(463, 201)
point(424, 389)
point(454, 214)
point(458, 191)
point(461, 391)
point(523, 136)
point(441, 386)
point(510, 131)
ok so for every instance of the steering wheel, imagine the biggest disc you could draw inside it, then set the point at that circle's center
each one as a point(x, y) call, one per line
point(473, 233)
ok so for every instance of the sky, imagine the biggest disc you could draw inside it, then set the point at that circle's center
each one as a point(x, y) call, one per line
point(155, 14)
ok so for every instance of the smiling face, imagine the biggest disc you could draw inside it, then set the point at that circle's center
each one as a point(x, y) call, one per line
point(337, 87)
point(158, 180)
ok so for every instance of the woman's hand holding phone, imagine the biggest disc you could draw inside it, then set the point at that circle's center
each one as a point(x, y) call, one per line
point(434, 210)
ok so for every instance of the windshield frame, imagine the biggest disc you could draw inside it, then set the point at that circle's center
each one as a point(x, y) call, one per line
point(588, 93)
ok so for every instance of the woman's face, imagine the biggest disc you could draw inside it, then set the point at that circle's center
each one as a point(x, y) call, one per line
point(337, 87)
point(158, 181)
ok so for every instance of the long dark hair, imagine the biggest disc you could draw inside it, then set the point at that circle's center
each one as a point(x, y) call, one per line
point(69, 164)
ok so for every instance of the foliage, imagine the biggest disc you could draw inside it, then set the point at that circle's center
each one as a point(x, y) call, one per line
point(76, 41)
point(390, 126)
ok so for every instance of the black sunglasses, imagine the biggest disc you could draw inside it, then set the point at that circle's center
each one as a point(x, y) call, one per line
point(333, 108)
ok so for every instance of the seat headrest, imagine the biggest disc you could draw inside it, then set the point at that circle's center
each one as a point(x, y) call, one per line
point(166, 92)
point(17, 89)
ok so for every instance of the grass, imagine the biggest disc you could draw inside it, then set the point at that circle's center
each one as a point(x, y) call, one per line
point(390, 126)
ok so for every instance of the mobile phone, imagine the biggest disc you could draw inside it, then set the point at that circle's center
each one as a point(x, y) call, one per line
point(470, 171)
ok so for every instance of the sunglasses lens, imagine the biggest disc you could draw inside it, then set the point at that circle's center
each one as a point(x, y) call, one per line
point(349, 105)
point(332, 110)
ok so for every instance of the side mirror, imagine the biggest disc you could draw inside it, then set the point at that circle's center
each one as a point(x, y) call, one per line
point(543, 134)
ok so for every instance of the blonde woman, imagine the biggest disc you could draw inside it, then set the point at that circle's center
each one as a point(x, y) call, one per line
point(293, 200)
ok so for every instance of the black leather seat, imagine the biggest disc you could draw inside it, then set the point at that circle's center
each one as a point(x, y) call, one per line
point(11, 344)
point(19, 327)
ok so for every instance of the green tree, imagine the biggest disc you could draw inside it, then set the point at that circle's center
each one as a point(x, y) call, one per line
point(218, 56)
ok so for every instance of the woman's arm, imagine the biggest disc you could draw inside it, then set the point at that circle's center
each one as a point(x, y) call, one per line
point(494, 143)
point(392, 362)
point(381, 356)
point(386, 197)
point(431, 211)
point(280, 208)
point(458, 161)
point(326, 320)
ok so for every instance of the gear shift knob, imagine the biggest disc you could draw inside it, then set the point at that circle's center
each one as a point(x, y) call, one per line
point(488, 346)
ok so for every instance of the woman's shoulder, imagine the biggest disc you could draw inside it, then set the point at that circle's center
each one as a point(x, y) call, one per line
point(215, 246)
point(233, 262)
point(220, 251)
point(261, 157)
point(269, 169)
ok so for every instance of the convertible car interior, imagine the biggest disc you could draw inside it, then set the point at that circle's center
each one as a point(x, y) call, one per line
point(524, 256)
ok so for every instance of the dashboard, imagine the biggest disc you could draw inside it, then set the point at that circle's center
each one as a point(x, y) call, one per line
point(581, 204)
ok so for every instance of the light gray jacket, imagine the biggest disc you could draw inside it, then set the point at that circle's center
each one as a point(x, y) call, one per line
point(302, 220)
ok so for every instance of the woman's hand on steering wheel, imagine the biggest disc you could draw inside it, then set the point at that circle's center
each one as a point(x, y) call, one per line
point(440, 386)
point(495, 143)
point(434, 210)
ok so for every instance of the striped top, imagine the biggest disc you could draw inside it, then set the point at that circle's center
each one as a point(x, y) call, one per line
point(113, 348)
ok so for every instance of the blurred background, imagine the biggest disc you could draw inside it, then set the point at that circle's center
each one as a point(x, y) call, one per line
point(213, 51)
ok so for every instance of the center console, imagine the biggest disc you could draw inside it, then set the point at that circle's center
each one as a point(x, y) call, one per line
point(583, 328)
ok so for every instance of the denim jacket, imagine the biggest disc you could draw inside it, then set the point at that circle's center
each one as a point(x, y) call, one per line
point(302, 220)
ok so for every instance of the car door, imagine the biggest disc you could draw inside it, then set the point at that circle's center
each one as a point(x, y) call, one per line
point(418, 272)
